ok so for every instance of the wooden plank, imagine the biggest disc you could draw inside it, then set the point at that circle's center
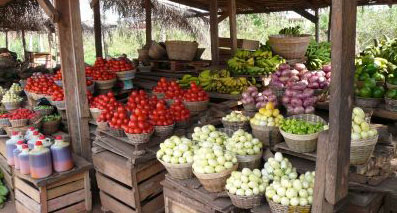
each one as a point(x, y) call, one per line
point(27, 201)
point(20, 208)
point(149, 170)
point(148, 21)
point(341, 90)
point(27, 189)
point(3, 164)
point(44, 200)
point(79, 207)
point(114, 189)
point(88, 193)
point(154, 206)
point(68, 180)
point(176, 197)
point(317, 26)
point(233, 24)
point(49, 10)
point(3, 146)
point(214, 31)
point(66, 200)
point(283, 147)
point(307, 15)
point(97, 28)
point(65, 189)
point(151, 186)
point(113, 205)
point(222, 17)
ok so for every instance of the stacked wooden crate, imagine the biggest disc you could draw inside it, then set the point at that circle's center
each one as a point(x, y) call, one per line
point(7, 170)
point(128, 182)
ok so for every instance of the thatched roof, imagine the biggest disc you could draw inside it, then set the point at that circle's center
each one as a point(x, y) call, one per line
point(25, 15)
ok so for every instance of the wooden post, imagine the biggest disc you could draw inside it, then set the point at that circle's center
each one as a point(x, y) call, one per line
point(74, 81)
point(214, 32)
point(148, 11)
point(24, 44)
point(98, 29)
point(334, 155)
point(233, 24)
point(329, 24)
point(317, 25)
point(6, 39)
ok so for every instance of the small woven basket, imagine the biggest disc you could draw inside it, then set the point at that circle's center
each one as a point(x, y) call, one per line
point(361, 150)
point(126, 75)
point(156, 51)
point(95, 113)
point(51, 127)
point(278, 208)
point(183, 124)
point(303, 143)
point(268, 135)
point(196, 107)
point(4, 122)
point(244, 125)
point(391, 86)
point(139, 138)
point(249, 161)
point(215, 182)
point(181, 50)
point(245, 202)
point(102, 125)
point(179, 171)
point(44, 112)
point(12, 105)
point(107, 84)
point(19, 122)
point(116, 132)
point(164, 131)
point(289, 47)
point(250, 107)
point(368, 102)
point(391, 105)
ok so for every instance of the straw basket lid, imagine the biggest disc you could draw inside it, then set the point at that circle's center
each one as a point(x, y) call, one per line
point(178, 171)
point(225, 172)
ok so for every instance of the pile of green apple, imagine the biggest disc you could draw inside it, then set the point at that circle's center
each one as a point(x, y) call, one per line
point(212, 160)
point(279, 167)
point(246, 183)
point(2, 91)
point(10, 96)
point(391, 94)
point(176, 150)
point(243, 143)
point(235, 117)
point(370, 90)
point(16, 88)
point(207, 136)
point(360, 128)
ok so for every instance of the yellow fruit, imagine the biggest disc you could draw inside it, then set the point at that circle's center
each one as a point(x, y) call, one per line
point(262, 111)
point(276, 112)
point(270, 105)
point(268, 113)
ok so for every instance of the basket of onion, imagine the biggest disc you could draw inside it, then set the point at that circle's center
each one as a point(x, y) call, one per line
point(284, 76)
point(253, 100)
point(299, 99)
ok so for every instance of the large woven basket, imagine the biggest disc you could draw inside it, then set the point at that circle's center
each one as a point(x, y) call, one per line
point(164, 131)
point(181, 50)
point(19, 122)
point(367, 102)
point(4, 122)
point(156, 51)
point(391, 105)
point(244, 125)
point(250, 107)
point(215, 182)
point(50, 127)
point(143, 54)
point(245, 202)
point(391, 86)
point(268, 135)
point(107, 84)
point(290, 47)
point(12, 105)
point(303, 143)
point(44, 112)
point(278, 208)
point(179, 171)
point(95, 113)
point(196, 107)
point(102, 125)
point(249, 161)
point(183, 124)
point(116, 132)
point(139, 138)
point(126, 75)
point(361, 150)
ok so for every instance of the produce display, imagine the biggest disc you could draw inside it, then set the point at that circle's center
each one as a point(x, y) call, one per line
point(246, 183)
point(58, 94)
point(176, 150)
point(3, 190)
point(138, 123)
point(293, 31)
point(179, 111)
point(54, 117)
point(104, 101)
point(171, 89)
point(40, 83)
point(119, 118)
point(287, 75)
point(21, 114)
point(391, 94)
point(58, 75)
point(195, 93)
point(15, 88)
point(243, 143)
point(301, 127)
point(299, 99)
point(318, 55)
point(161, 116)
point(10, 96)
point(368, 67)
point(251, 96)
point(207, 136)
point(384, 48)
point(279, 167)
point(212, 160)
point(261, 61)
point(120, 64)
point(318, 79)
point(103, 75)
point(370, 89)
point(360, 127)
point(267, 116)
point(235, 117)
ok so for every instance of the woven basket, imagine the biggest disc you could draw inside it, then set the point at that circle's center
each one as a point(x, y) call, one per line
point(158, 95)
point(391, 105)
point(250, 107)
point(4, 122)
point(59, 83)
point(199, 53)
point(183, 124)
point(268, 135)
point(116, 132)
point(145, 68)
point(37, 118)
point(59, 104)
point(156, 51)
point(44, 111)
point(139, 138)
point(50, 127)
point(19, 122)
point(102, 125)
point(196, 107)
point(215, 182)
point(244, 125)
point(279, 92)
point(95, 113)
point(245, 202)
point(249, 161)
point(290, 47)
point(164, 131)
point(278, 208)
point(143, 54)
point(126, 75)
point(91, 88)
point(181, 50)
point(361, 150)
point(368, 102)
point(107, 84)
point(360, 84)
point(178, 171)
point(12, 105)
point(391, 86)
point(303, 143)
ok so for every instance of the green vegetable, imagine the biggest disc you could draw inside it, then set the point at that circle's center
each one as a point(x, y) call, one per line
point(379, 77)
point(301, 127)
point(378, 92)
point(291, 31)
point(318, 54)
point(370, 83)
point(365, 92)
point(54, 117)
point(3, 190)
point(392, 81)
point(42, 107)
point(391, 94)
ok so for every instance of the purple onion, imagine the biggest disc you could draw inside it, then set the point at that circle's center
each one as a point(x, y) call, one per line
point(309, 109)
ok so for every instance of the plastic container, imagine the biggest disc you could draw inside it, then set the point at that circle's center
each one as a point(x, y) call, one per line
point(11, 145)
point(46, 141)
point(23, 157)
point(16, 153)
point(29, 133)
point(35, 137)
point(40, 161)
point(61, 155)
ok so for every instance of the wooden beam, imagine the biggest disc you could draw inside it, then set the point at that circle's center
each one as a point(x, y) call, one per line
point(329, 24)
point(6, 32)
point(3, 2)
point(307, 15)
point(24, 44)
point(214, 32)
point(148, 11)
point(317, 26)
point(94, 3)
point(192, 3)
point(223, 16)
point(74, 80)
point(49, 10)
point(98, 30)
point(233, 24)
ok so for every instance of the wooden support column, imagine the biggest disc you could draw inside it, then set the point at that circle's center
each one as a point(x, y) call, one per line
point(329, 24)
point(214, 32)
point(233, 24)
point(74, 81)
point(148, 11)
point(24, 44)
point(317, 25)
point(6, 39)
point(333, 158)
point(98, 29)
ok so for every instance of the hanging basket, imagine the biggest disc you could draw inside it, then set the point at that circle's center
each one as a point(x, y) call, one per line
point(95, 113)
point(178, 171)
point(215, 182)
point(126, 75)
point(278, 208)
point(139, 138)
point(268, 135)
point(156, 51)
point(164, 131)
point(196, 107)
point(244, 125)
point(107, 84)
point(245, 202)
point(391, 105)
point(368, 102)
point(249, 161)
point(51, 127)
point(181, 50)
point(361, 150)
point(12, 105)
point(290, 47)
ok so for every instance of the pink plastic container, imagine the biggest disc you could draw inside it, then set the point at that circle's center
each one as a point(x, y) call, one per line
point(16, 153)
point(35, 137)
point(61, 155)
point(11, 145)
point(23, 157)
point(40, 161)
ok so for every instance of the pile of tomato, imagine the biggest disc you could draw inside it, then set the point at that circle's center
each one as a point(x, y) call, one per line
point(174, 91)
point(179, 111)
point(4, 115)
point(138, 123)
point(105, 102)
point(22, 114)
point(120, 64)
point(88, 71)
point(119, 118)
point(40, 84)
point(57, 94)
point(195, 93)
point(58, 75)
point(98, 75)
point(161, 116)
point(162, 86)
point(101, 64)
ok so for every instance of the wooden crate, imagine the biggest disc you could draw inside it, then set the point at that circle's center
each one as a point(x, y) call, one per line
point(7, 169)
point(128, 187)
point(61, 192)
